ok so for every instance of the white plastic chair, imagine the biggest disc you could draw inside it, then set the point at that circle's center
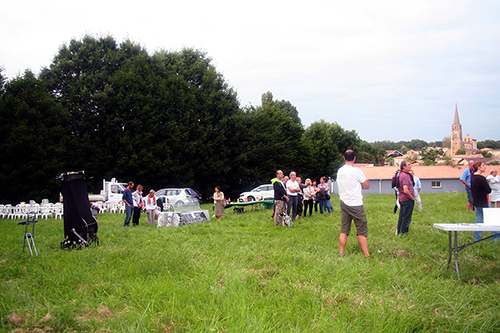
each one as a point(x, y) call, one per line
point(9, 212)
point(34, 207)
point(113, 207)
point(21, 211)
point(101, 205)
point(58, 210)
point(45, 211)
point(121, 207)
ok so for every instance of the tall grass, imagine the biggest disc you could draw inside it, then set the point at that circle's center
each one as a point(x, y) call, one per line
point(243, 274)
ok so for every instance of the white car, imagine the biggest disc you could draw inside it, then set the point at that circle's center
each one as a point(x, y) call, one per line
point(176, 197)
point(266, 191)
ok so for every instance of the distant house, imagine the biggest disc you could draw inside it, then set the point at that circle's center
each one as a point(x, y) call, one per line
point(393, 153)
point(435, 179)
point(464, 159)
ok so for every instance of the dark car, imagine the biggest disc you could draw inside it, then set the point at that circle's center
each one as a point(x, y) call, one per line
point(195, 194)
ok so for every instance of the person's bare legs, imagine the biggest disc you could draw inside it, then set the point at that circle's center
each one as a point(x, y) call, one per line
point(342, 243)
point(363, 242)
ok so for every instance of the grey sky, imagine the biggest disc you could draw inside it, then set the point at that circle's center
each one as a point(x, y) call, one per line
point(388, 69)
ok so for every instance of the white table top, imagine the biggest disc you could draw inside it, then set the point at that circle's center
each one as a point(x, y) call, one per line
point(466, 227)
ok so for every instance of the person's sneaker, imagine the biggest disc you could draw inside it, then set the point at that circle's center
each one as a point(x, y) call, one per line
point(342, 254)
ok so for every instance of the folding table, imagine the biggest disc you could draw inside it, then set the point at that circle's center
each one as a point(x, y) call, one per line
point(456, 227)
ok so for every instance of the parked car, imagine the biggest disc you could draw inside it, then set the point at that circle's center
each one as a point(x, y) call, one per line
point(266, 191)
point(176, 197)
point(195, 194)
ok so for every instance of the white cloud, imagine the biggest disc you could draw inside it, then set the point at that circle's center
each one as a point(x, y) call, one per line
point(359, 63)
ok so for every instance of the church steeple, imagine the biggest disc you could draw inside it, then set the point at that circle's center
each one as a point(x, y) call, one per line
point(456, 134)
point(456, 122)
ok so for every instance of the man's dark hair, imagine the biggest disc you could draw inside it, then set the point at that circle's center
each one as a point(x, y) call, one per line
point(349, 155)
point(403, 164)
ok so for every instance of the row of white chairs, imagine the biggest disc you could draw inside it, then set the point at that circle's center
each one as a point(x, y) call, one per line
point(52, 210)
point(110, 207)
point(20, 211)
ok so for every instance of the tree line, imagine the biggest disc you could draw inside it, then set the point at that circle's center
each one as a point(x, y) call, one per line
point(163, 119)
point(417, 144)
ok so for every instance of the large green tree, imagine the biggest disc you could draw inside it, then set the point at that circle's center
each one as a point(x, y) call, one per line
point(272, 140)
point(80, 78)
point(33, 137)
point(162, 120)
point(196, 113)
point(327, 142)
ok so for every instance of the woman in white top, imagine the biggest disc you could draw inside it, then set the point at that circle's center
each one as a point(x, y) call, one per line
point(309, 193)
point(138, 204)
point(150, 201)
point(494, 182)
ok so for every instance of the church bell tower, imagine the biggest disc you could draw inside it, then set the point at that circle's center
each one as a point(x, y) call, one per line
point(456, 134)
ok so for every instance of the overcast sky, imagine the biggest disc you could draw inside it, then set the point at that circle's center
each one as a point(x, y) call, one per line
point(388, 69)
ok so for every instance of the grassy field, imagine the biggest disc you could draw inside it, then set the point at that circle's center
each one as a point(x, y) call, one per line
point(243, 274)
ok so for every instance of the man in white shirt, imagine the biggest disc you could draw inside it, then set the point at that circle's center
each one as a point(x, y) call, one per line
point(417, 188)
point(292, 189)
point(351, 181)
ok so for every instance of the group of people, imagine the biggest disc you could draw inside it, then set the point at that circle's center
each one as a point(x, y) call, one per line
point(135, 203)
point(482, 192)
point(296, 198)
point(350, 180)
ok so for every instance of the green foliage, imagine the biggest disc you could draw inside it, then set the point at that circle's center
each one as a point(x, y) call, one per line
point(369, 153)
point(273, 140)
point(327, 142)
point(415, 144)
point(461, 151)
point(488, 144)
point(485, 153)
point(430, 155)
point(446, 142)
point(161, 120)
point(33, 141)
point(448, 160)
point(3, 79)
point(243, 274)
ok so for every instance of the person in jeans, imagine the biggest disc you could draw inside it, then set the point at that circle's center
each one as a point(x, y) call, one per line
point(321, 195)
point(465, 179)
point(129, 203)
point(406, 198)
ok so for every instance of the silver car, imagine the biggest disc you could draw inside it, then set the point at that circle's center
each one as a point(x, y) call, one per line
point(266, 191)
point(176, 197)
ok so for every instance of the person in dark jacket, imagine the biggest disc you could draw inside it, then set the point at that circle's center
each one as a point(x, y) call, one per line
point(480, 189)
point(129, 203)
